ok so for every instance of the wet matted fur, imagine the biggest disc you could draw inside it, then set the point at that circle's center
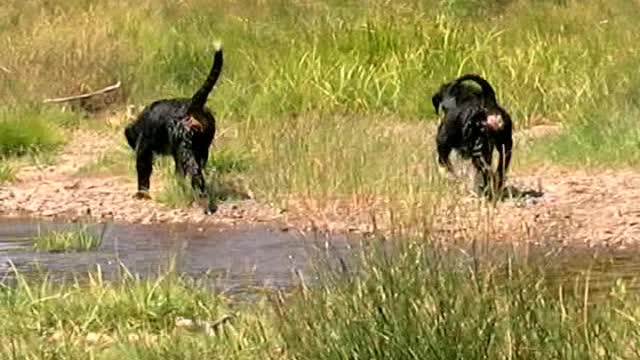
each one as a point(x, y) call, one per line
point(182, 128)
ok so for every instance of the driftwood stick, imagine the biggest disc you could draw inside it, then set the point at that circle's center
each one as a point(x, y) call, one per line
point(108, 89)
point(5, 69)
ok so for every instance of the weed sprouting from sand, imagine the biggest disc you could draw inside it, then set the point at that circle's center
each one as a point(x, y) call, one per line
point(7, 172)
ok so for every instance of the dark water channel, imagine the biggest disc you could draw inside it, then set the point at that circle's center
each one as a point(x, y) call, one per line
point(238, 258)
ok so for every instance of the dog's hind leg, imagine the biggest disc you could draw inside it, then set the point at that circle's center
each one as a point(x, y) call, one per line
point(504, 160)
point(144, 167)
point(178, 164)
point(444, 149)
point(202, 157)
point(190, 164)
point(481, 160)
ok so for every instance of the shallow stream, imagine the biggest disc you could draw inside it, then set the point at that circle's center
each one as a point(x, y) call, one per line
point(241, 257)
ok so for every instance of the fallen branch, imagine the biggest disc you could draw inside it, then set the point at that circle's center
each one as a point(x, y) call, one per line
point(5, 69)
point(108, 89)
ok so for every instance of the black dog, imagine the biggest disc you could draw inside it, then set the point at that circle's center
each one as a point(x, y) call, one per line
point(474, 124)
point(183, 128)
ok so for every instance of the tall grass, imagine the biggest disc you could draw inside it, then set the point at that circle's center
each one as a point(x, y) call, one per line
point(357, 56)
point(30, 130)
point(81, 239)
point(328, 97)
point(131, 318)
point(223, 177)
point(423, 304)
point(597, 140)
point(118, 161)
point(7, 173)
point(415, 302)
point(355, 160)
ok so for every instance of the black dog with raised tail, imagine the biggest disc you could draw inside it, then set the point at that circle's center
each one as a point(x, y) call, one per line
point(181, 127)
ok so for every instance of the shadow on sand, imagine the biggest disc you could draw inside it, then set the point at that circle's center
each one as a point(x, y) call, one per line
point(512, 192)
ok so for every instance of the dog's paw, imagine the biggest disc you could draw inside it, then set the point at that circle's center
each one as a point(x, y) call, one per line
point(208, 205)
point(211, 209)
point(142, 195)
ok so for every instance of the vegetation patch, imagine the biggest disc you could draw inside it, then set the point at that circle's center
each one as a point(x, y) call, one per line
point(224, 176)
point(604, 140)
point(30, 131)
point(315, 91)
point(117, 162)
point(416, 302)
point(77, 240)
point(7, 172)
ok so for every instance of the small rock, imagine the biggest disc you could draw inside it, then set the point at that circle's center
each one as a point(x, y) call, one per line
point(48, 212)
point(56, 336)
point(92, 338)
point(72, 186)
point(184, 322)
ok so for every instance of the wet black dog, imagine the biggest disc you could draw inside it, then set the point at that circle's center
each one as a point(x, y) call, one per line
point(183, 128)
point(474, 124)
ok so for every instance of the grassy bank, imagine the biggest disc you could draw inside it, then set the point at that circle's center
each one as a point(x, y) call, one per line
point(29, 130)
point(355, 56)
point(327, 98)
point(417, 304)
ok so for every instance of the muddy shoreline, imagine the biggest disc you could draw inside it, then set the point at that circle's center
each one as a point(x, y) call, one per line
point(575, 208)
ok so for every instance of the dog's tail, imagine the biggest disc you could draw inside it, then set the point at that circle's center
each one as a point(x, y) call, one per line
point(200, 97)
point(487, 90)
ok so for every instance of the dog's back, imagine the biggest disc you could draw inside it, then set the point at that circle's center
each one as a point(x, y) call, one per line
point(154, 123)
point(458, 94)
point(157, 119)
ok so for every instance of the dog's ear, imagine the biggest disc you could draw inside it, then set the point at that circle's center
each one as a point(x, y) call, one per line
point(436, 99)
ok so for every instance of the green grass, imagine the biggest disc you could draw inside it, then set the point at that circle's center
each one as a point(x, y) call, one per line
point(224, 177)
point(284, 58)
point(176, 191)
point(81, 239)
point(330, 99)
point(131, 318)
point(116, 162)
point(7, 173)
point(417, 303)
point(29, 130)
point(601, 140)
point(421, 304)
